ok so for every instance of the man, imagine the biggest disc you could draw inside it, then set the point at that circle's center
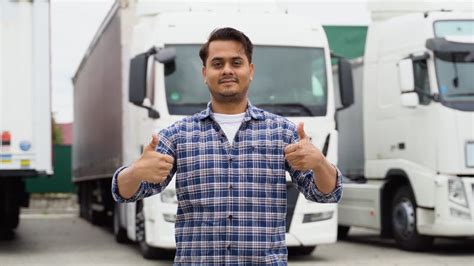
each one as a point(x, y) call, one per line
point(230, 162)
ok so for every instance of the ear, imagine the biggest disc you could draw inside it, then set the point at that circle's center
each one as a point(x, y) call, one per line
point(251, 70)
point(203, 70)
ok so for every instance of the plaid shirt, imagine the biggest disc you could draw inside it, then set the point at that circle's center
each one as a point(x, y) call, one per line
point(231, 198)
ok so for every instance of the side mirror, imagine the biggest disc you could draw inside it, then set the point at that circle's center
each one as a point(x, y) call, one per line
point(138, 79)
point(409, 99)
point(167, 57)
point(346, 84)
point(137, 90)
point(406, 76)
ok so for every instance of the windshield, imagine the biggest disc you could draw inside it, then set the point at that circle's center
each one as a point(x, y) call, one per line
point(288, 81)
point(453, 71)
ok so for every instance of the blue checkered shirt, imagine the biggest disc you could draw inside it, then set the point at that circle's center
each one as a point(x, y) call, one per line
point(231, 198)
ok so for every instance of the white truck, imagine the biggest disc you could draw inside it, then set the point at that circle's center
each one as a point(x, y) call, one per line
point(25, 104)
point(407, 144)
point(111, 126)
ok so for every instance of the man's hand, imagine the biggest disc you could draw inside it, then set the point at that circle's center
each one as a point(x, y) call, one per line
point(152, 166)
point(303, 155)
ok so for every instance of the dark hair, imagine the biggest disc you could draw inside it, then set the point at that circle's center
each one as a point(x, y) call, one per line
point(227, 34)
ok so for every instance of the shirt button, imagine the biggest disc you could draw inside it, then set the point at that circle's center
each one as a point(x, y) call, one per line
point(230, 186)
point(229, 216)
point(228, 246)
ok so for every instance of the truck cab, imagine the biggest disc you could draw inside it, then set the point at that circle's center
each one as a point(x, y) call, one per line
point(293, 69)
point(153, 78)
point(418, 130)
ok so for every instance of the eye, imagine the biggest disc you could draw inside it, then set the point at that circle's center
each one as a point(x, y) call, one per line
point(216, 64)
point(237, 62)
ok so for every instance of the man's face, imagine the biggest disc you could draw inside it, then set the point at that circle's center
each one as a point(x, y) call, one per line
point(227, 72)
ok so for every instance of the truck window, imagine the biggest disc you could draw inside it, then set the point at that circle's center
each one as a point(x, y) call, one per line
point(422, 82)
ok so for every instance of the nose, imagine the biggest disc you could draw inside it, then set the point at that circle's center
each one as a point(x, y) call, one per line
point(227, 69)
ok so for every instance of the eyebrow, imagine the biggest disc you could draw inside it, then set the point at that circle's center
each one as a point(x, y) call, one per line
point(222, 58)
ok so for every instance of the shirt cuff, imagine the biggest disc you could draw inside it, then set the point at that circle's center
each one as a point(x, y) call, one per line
point(115, 189)
point(331, 197)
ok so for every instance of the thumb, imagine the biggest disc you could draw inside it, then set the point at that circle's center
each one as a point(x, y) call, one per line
point(153, 144)
point(300, 129)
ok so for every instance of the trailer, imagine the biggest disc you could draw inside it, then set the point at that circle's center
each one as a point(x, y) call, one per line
point(25, 104)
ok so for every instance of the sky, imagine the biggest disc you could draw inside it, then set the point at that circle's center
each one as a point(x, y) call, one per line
point(74, 23)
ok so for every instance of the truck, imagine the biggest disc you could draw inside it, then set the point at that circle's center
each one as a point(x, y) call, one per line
point(142, 72)
point(407, 143)
point(25, 104)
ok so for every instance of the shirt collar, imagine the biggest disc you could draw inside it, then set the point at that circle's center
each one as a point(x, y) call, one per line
point(251, 112)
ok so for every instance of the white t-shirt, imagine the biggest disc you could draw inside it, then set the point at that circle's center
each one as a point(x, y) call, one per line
point(230, 124)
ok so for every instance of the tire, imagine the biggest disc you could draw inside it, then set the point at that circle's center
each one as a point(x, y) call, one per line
point(403, 217)
point(342, 232)
point(7, 234)
point(301, 251)
point(120, 233)
point(97, 218)
point(148, 252)
point(9, 206)
point(82, 201)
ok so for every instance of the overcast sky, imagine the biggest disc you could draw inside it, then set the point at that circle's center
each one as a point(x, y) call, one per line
point(74, 23)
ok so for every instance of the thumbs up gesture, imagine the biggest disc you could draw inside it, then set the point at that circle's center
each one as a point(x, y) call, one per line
point(303, 155)
point(153, 166)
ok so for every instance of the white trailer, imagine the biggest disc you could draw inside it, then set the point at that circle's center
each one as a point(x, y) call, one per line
point(293, 74)
point(25, 103)
point(408, 142)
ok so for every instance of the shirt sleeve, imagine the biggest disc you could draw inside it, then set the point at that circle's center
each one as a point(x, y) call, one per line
point(304, 182)
point(167, 145)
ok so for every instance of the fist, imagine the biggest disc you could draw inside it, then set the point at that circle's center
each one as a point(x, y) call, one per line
point(303, 155)
point(153, 166)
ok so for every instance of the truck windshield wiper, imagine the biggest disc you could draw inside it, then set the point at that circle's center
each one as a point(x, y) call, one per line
point(461, 94)
point(190, 104)
point(303, 108)
point(456, 75)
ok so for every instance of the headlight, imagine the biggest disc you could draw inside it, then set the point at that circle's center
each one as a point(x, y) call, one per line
point(169, 196)
point(456, 192)
point(169, 217)
point(460, 214)
point(317, 217)
point(470, 154)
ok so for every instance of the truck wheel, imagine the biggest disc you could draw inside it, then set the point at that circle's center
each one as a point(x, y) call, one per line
point(7, 234)
point(299, 251)
point(404, 222)
point(82, 195)
point(119, 232)
point(9, 207)
point(342, 231)
point(97, 218)
point(147, 251)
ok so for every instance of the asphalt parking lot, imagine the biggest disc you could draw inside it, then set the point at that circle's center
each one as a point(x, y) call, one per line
point(65, 239)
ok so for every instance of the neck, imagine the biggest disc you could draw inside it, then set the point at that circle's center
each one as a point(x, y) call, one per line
point(229, 108)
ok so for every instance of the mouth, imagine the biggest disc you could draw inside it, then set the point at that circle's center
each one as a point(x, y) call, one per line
point(228, 81)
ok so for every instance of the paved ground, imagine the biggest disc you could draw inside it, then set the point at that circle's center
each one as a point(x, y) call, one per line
point(48, 237)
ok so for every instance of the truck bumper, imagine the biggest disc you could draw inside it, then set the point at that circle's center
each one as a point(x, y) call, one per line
point(159, 231)
point(448, 218)
point(313, 233)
